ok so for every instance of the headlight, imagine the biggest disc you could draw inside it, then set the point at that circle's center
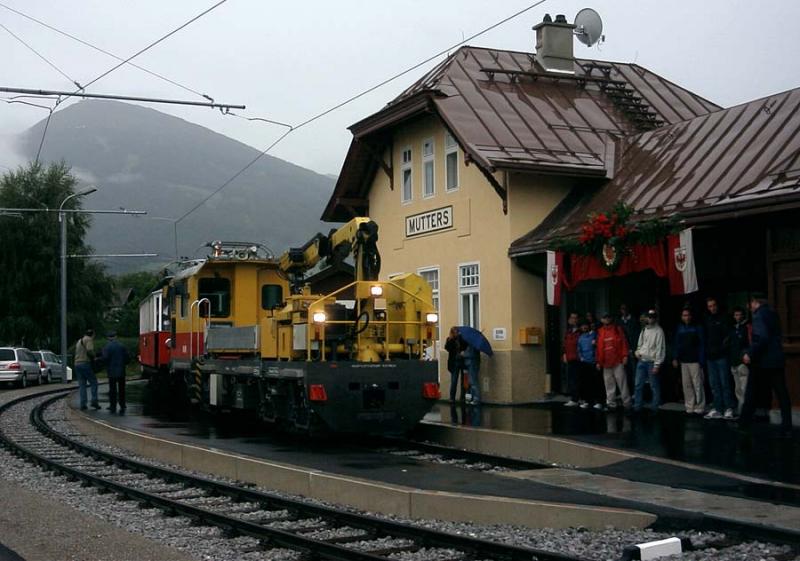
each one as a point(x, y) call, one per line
point(432, 318)
point(319, 317)
point(376, 290)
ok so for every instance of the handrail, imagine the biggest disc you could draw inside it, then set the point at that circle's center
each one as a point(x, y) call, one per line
point(197, 303)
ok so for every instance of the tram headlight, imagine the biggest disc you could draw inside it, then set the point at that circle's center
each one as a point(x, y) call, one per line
point(432, 318)
point(376, 290)
point(319, 317)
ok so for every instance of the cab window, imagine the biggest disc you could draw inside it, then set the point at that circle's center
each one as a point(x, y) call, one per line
point(218, 292)
point(271, 296)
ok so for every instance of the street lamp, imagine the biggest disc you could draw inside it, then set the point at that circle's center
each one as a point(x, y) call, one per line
point(63, 220)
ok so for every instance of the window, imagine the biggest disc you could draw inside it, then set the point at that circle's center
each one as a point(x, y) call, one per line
point(218, 292)
point(469, 286)
point(451, 162)
point(431, 276)
point(428, 184)
point(405, 172)
point(271, 296)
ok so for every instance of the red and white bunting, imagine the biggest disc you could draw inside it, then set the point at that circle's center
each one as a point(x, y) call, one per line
point(682, 272)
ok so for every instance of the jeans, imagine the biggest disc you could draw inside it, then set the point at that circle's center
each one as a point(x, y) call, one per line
point(473, 367)
point(86, 376)
point(573, 366)
point(455, 375)
point(644, 373)
point(719, 375)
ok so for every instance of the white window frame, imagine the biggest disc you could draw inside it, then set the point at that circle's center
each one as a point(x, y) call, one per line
point(464, 290)
point(428, 159)
point(409, 167)
point(450, 149)
point(436, 292)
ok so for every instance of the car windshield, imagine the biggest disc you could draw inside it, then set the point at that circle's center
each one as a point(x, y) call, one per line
point(7, 354)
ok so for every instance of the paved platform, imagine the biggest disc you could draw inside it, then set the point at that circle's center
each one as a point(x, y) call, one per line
point(630, 485)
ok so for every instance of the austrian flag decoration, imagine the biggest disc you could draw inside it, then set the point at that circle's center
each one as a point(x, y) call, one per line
point(554, 277)
point(680, 255)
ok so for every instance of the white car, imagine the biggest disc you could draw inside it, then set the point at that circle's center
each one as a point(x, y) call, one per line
point(18, 365)
point(51, 366)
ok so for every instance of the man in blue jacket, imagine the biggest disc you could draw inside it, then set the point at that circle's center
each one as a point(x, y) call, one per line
point(767, 362)
point(689, 356)
point(115, 357)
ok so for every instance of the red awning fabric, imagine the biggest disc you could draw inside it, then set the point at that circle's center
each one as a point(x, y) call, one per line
point(637, 258)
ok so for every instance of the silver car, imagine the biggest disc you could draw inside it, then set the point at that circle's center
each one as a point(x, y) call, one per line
point(18, 365)
point(51, 366)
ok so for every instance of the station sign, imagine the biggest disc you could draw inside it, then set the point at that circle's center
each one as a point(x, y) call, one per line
point(429, 221)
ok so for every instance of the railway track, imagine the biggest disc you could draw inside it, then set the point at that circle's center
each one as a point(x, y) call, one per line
point(317, 532)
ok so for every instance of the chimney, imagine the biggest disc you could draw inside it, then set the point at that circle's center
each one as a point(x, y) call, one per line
point(554, 44)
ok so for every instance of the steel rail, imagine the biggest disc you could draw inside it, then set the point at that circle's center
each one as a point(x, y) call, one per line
point(373, 526)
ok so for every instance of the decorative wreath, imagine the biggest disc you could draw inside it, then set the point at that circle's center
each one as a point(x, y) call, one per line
point(611, 235)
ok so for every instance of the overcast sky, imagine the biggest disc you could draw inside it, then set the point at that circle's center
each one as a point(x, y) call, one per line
point(290, 60)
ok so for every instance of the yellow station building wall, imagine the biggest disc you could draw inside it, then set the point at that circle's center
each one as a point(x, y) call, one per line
point(510, 297)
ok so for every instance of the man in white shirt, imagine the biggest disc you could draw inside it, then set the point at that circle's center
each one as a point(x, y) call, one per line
point(650, 352)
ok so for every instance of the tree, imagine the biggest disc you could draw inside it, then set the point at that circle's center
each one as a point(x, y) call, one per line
point(29, 260)
point(126, 319)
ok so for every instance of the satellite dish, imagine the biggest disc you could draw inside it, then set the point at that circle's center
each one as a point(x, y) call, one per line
point(589, 27)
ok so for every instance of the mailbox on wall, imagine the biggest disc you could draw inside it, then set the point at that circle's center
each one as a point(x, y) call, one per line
point(531, 336)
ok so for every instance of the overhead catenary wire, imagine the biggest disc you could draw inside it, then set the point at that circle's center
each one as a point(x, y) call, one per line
point(352, 99)
point(50, 63)
point(124, 62)
point(104, 51)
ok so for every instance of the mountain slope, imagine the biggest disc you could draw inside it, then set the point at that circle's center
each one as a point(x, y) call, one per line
point(143, 159)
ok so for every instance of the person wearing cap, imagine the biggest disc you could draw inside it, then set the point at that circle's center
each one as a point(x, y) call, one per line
point(767, 362)
point(612, 355)
point(84, 354)
point(689, 350)
point(650, 350)
point(115, 357)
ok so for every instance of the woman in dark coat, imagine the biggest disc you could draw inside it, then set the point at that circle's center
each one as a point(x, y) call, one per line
point(454, 345)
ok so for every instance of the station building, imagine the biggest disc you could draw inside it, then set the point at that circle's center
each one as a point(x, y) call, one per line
point(477, 169)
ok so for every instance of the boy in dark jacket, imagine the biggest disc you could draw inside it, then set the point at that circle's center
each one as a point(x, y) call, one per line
point(740, 340)
point(588, 381)
point(767, 362)
point(717, 332)
point(689, 354)
point(570, 357)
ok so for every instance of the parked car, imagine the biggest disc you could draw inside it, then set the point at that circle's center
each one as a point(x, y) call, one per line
point(51, 366)
point(18, 365)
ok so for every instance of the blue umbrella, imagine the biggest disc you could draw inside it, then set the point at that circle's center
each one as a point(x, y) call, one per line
point(476, 339)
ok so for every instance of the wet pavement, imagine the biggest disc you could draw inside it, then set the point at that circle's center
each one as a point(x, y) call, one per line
point(667, 435)
point(670, 434)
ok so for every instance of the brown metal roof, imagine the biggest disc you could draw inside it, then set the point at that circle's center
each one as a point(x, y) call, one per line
point(508, 113)
point(745, 158)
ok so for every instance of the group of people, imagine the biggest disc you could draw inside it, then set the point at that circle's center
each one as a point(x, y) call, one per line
point(741, 359)
point(461, 357)
point(114, 358)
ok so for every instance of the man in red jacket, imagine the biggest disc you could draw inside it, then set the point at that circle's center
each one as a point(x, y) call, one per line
point(612, 355)
point(570, 358)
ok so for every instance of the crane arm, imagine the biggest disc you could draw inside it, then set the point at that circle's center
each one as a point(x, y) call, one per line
point(357, 237)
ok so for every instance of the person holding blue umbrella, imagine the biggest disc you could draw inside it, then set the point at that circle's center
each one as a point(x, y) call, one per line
point(476, 344)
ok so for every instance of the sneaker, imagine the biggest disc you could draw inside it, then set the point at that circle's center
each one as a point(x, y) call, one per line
point(584, 405)
point(713, 414)
point(729, 414)
point(571, 403)
point(612, 406)
point(598, 406)
point(95, 405)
